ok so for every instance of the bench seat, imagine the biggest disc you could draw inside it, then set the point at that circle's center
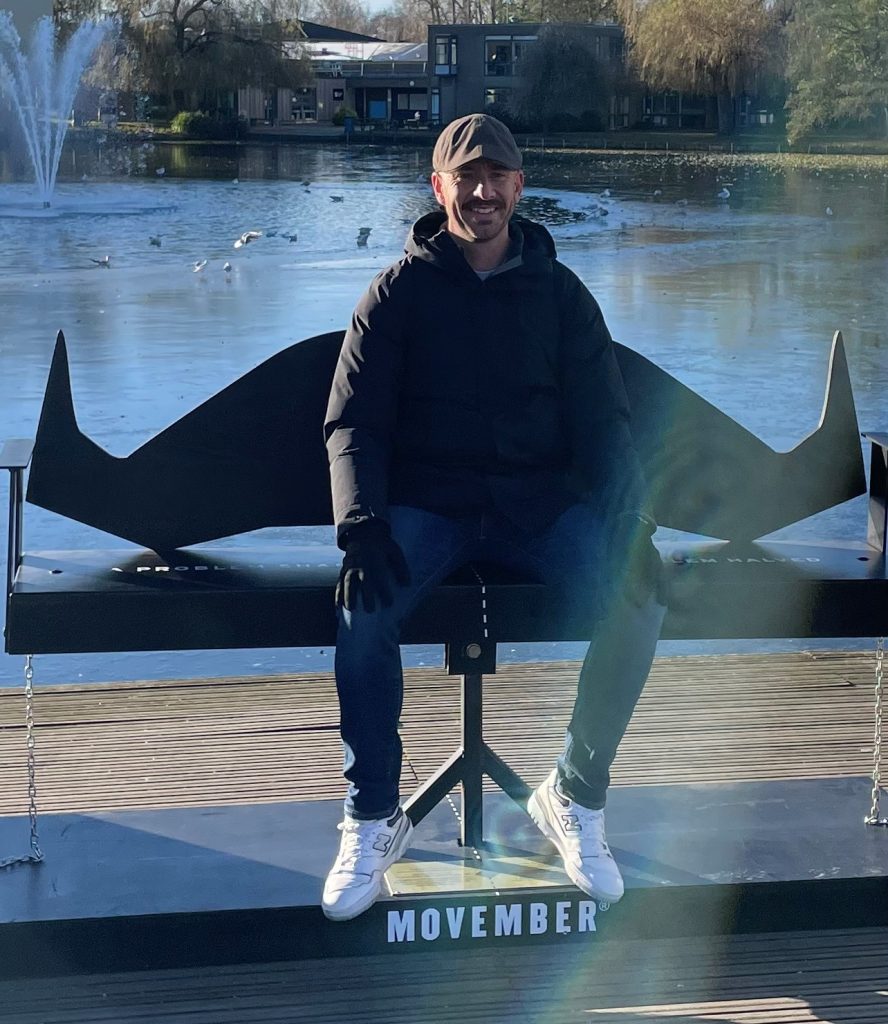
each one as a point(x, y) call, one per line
point(282, 596)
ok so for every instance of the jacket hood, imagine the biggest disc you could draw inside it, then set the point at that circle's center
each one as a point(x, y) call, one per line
point(428, 239)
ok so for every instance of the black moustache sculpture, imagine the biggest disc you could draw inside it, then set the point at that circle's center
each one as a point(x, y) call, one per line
point(253, 456)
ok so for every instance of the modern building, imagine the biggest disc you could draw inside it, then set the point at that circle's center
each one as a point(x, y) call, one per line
point(381, 82)
point(458, 69)
point(476, 66)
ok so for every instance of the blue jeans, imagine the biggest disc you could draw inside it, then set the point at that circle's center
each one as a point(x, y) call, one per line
point(573, 555)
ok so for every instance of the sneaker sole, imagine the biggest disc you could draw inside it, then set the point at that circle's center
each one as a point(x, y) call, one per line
point(538, 815)
point(373, 894)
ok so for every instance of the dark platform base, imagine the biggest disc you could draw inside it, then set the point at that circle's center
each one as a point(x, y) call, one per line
point(200, 886)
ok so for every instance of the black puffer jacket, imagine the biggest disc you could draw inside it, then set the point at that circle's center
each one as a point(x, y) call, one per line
point(455, 394)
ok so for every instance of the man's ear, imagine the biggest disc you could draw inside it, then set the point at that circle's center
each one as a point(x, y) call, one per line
point(519, 185)
point(438, 187)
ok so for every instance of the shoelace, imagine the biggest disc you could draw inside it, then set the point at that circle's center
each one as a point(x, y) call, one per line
point(355, 843)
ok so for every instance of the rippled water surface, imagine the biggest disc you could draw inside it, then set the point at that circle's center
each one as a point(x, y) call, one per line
point(737, 298)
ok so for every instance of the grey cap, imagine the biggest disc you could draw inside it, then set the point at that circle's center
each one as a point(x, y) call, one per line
point(474, 137)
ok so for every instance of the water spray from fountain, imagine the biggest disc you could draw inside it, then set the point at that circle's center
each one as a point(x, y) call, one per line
point(41, 86)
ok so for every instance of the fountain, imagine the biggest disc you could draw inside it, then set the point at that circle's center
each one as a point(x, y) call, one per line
point(41, 86)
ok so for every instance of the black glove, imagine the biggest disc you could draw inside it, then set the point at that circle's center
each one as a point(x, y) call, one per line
point(373, 565)
point(639, 560)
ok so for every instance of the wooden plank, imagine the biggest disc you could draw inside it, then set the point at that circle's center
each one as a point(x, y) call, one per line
point(269, 738)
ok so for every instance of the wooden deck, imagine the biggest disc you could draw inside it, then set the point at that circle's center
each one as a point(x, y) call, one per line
point(718, 719)
point(800, 978)
point(266, 739)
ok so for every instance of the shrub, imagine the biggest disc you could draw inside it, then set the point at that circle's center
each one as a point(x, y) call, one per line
point(510, 119)
point(342, 113)
point(200, 125)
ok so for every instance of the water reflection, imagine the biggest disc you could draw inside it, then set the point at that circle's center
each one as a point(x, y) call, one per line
point(739, 299)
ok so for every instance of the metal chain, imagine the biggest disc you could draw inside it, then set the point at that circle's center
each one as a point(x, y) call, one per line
point(874, 818)
point(36, 854)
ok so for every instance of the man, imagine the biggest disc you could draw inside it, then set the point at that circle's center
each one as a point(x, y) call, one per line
point(477, 411)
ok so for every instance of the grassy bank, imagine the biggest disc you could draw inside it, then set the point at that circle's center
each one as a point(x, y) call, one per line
point(763, 142)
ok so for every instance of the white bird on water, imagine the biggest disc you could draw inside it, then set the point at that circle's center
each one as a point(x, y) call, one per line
point(246, 238)
point(198, 266)
point(226, 266)
point(160, 172)
point(105, 261)
point(723, 194)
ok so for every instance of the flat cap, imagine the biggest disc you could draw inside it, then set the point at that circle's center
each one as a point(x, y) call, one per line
point(474, 137)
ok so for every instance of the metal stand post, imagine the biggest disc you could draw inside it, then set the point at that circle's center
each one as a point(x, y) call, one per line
point(473, 759)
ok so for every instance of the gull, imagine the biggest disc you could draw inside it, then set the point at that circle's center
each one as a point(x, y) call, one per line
point(605, 194)
point(723, 194)
point(226, 266)
point(246, 238)
point(235, 181)
point(828, 211)
point(198, 266)
point(160, 172)
point(337, 199)
point(681, 202)
point(155, 240)
point(658, 191)
point(105, 261)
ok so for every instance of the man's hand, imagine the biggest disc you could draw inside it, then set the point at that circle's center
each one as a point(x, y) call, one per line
point(372, 567)
point(639, 559)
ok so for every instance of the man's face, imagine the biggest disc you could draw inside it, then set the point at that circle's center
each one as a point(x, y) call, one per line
point(479, 199)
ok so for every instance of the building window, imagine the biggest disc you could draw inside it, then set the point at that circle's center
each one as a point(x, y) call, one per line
point(303, 105)
point(412, 100)
point(435, 109)
point(500, 97)
point(502, 53)
point(619, 112)
point(445, 55)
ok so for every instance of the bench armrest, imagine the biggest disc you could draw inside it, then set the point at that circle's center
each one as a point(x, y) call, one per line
point(877, 518)
point(15, 456)
point(16, 453)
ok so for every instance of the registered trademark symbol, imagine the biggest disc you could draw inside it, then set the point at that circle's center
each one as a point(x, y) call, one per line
point(604, 905)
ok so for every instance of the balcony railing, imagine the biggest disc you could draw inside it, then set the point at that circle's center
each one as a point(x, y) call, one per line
point(371, 69)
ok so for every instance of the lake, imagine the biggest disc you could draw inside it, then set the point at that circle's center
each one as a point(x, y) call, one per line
point(738, 298)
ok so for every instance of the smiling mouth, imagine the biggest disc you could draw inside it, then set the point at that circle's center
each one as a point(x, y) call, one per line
point(483, 210)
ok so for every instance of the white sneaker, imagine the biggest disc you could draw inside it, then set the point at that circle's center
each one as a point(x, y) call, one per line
point(578, 833)
point(368, 849)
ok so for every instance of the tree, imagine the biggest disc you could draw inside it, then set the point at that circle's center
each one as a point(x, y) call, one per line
point(561, 79)
point(838, 67)
point(348, 15)
point(401, 22)
point(705, 46)
point(196, 52)
point(560, 10)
